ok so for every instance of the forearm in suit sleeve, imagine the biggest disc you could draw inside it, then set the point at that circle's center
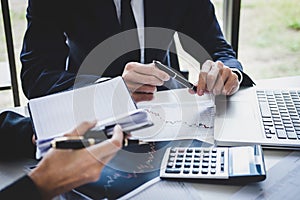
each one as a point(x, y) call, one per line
point(16, 132)
point(23, 187)
point(202, 26)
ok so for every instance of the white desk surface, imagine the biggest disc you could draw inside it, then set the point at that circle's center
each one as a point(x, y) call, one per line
point(10, 171)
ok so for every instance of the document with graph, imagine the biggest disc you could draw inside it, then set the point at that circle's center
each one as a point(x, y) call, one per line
point(178, 115)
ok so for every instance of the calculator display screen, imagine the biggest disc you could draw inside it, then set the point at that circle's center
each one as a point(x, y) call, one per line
point(245, 161)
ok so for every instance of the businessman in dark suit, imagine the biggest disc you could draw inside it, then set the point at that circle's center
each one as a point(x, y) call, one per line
point(61, 34)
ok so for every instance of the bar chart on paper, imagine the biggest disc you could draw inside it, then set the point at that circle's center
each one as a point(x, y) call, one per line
point(179, 120)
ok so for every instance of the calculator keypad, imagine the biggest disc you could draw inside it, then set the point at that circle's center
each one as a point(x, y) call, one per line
point(195, 163)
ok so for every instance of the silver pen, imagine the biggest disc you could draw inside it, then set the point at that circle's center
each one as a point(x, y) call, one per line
point(175, 75)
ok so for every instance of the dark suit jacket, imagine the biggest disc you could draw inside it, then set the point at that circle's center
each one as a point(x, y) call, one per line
point(23, 186)
point(16, 133)
point(64, 32)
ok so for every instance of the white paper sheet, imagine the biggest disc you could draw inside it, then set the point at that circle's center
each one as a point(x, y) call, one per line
point(176, 114)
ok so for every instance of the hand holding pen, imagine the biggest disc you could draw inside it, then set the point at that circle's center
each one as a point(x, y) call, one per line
point(79, 141)
point(142, 80)
point(175, 75)
point(74, 167)
point(215, 78)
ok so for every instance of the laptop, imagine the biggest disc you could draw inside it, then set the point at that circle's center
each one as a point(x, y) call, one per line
point(269, 117)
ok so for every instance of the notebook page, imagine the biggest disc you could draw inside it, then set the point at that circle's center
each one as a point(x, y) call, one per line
point(59, 113)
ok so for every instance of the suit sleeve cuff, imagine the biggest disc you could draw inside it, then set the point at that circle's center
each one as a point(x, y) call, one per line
point(238, 73)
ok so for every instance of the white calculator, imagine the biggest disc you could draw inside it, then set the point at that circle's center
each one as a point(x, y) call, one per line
point(236, 165)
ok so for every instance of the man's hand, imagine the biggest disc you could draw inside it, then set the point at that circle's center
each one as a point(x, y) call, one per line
point(142, 79)
point(217, 78)
point(62, 170)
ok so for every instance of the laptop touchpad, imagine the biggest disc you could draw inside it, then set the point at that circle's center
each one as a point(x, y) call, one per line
point(237, 120)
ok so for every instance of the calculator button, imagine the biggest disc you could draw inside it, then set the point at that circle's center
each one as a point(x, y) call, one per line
point(214, 150)
point(173, 171)
point(196, 165)
point(196, 160)
point(172, 154)
point(189, 150)
point(213, 171)
point(179, 160)
point(180, 155)
point(178, 166)
point(205, 160)
point(188, 160)
point(171, 159)
point(197, 156)
point(204, 171)
point(173, 151)
point(197, 150)
point(189, 155)
point(214, 160)
point(205, 165)
point(186, 171)
point(222, 167)
point(213, 165)
point(181, 150)
point(170, 164)
point(195, 171)
point(206, 155)
point(187, 165)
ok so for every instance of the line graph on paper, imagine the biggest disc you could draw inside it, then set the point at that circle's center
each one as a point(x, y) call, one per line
point(199, 124)
point(179, 121)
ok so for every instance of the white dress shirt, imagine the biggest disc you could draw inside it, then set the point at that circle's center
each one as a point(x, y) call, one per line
point(138, 12)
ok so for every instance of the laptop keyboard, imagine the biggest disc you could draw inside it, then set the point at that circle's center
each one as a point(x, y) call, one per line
point(280, 111)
